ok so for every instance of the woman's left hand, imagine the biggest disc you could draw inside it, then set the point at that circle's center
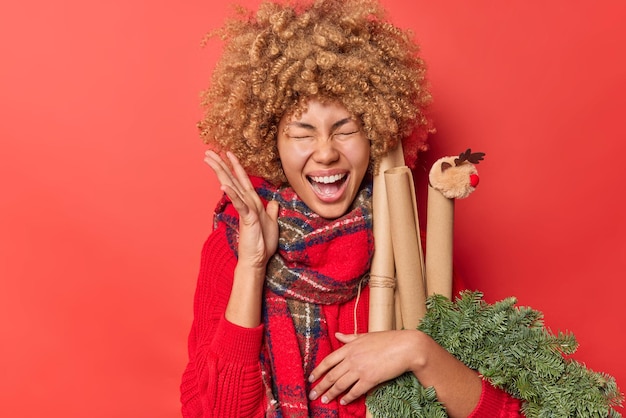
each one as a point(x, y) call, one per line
point(366, 361)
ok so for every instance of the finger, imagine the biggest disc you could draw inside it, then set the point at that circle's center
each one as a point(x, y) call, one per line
point(346, 338)
point(221, 170)
point(341, 385)
point(245, 185)
point(239, 172)
point(238, 202)
point(358, 389)
point(331, 376)
point(237, 186)
point(333, 358)
point(216, 162)
point(325, 365)
point(272, 210)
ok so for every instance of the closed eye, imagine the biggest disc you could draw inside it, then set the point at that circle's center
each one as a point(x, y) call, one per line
point(348, 134)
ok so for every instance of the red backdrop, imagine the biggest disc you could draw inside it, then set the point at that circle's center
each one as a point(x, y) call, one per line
point(105, 201)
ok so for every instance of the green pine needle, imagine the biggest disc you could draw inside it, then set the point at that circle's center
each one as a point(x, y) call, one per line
point(510, 347)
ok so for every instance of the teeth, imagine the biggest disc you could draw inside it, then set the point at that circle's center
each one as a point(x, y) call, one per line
point(327, 179)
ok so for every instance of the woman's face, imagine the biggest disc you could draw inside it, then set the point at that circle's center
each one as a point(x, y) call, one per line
point(325, 156)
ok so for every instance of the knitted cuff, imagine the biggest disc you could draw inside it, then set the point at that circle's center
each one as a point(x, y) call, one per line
point(234, 343)
point(495, 402)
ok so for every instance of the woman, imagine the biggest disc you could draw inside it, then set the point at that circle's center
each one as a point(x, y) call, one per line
point(307, 100)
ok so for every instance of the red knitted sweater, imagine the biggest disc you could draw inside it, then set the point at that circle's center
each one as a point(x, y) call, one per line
point(223, 376)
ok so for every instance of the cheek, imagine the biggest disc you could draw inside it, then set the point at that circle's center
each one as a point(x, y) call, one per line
point(292, 156)
point(359, 155)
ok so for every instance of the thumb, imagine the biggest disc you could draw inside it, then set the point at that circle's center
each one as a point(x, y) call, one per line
point(346, 338)
point(272, 210)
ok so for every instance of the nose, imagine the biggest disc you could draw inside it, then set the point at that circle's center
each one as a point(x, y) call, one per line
point(474, 180)
point(325, 152)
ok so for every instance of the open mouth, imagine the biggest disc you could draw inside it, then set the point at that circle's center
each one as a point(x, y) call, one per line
point(328, 186)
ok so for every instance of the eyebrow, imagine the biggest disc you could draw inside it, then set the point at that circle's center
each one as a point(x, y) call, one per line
point(310, 127)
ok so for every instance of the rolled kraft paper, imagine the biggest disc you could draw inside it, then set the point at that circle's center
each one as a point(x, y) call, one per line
point(398, 318)
point(382, 270)
point(406, 247)
point(417, 227)
point(439, 238)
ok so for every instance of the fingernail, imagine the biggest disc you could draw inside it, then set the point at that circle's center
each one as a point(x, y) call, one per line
point(343, 402)
point(324, 399)
point(312, 395)
point(311, 378)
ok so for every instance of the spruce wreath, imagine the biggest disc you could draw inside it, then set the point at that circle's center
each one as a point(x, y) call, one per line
point(509, 346)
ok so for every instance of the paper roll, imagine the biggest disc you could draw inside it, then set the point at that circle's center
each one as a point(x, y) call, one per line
point(382, 271)
point(406, 245)
point(439, 247)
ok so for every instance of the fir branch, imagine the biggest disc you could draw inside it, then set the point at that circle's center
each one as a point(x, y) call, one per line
point(510, 347)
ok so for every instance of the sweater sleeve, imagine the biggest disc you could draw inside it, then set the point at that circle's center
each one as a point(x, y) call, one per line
point(496, 403)
point(223, 375)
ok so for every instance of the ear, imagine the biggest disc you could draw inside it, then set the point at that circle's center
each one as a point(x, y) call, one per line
point(445, 165)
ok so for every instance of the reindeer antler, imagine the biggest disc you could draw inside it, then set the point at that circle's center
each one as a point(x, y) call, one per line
point(468, 156)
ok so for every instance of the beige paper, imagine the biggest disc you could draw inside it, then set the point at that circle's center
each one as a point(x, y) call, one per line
point(382, 271)
point(398, 324)
point(406, 245)
point(439, 247)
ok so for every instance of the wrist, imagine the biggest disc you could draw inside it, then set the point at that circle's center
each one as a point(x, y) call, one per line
point(244, 304)
point(250, 273)
point(422, 349)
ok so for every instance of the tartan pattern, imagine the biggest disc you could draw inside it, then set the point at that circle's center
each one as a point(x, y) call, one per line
point(318, 262)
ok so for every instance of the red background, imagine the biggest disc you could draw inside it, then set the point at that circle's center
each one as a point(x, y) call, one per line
point(105, 201)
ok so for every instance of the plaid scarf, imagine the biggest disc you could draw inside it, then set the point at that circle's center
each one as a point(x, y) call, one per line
point(318, 262)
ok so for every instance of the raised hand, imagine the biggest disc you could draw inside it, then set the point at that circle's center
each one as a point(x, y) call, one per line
point(258, 240)
point(258, 226)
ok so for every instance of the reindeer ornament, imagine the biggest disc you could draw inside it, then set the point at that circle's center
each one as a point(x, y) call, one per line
point(456, 177)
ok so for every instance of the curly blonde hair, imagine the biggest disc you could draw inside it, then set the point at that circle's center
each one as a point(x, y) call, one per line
point(334, 50)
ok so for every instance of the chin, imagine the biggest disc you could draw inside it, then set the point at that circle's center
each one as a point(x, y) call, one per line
point(330, 211)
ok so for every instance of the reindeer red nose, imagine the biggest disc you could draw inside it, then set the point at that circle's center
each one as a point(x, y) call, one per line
point(474, 179)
